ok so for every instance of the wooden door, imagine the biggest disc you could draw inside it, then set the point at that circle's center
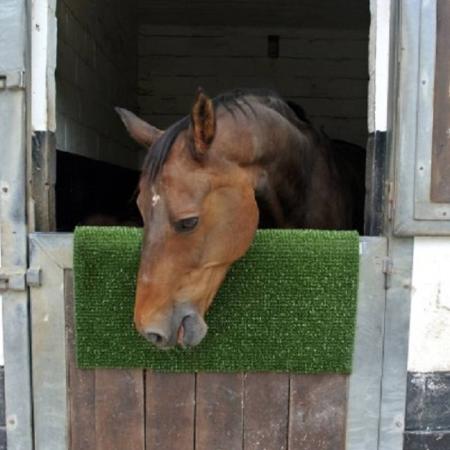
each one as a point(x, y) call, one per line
point(139, 409)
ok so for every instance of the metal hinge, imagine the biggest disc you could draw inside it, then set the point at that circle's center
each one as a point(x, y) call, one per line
point(18, 280)
point(387, 271)
point(12, 80)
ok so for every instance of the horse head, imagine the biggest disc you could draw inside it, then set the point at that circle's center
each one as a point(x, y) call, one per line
point(200, 215)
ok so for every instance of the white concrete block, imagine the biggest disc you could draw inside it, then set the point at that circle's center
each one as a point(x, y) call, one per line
point(429, 342)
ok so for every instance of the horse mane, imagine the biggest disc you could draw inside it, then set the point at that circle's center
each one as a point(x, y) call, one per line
point(233, 101)
point(159, 151)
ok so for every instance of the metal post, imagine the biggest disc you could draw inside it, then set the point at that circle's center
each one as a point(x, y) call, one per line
point(13, 230)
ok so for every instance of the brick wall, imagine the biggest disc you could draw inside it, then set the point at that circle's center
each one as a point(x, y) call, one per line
point(96, 70)
point(325, 70)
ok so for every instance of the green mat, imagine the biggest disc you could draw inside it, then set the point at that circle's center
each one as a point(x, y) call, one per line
point(288, 305)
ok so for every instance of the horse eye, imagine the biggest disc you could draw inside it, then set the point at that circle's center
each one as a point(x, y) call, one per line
point(184, 225)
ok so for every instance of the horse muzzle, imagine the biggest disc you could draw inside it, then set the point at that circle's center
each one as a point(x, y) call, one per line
point(184, 327)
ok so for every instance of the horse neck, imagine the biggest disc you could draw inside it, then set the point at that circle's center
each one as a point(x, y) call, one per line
point(295, 186)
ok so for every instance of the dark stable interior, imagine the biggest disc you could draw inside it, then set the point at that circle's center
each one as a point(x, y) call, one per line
point(150, 57)
point(90, 192)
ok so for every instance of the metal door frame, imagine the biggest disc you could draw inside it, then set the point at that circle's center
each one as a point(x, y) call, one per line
point(16, 150)
point(414, 213)
point(14, 147)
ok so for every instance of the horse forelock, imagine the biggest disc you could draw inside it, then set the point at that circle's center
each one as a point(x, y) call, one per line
point(159, 152)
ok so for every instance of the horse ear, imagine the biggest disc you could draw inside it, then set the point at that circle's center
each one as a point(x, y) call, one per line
point(142, 132)
point(203, 121)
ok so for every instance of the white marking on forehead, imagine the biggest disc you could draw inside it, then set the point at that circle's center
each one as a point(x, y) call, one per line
point(145, 279)
point(155, 198)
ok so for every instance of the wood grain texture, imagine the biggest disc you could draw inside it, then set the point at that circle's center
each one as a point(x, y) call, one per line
point(106, 407)
point(81, 384)
point(266, 411)
point(317, 414)
point(119, 409)
point(219, 411)
point(170, 406)
point(440, 176)
point(123, 409)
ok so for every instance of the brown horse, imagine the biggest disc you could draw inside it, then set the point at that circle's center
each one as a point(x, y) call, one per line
point(239, 159)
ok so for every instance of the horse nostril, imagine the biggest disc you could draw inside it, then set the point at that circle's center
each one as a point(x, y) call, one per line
point(156, 338)
point(192, 330)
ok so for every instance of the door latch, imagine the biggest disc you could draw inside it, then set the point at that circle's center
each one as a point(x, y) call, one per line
point(12, 280)
point(18, 280)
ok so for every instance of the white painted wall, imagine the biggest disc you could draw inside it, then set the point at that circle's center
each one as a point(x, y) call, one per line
point(429, 344)
point(43, 64)
point(324, 70)
point(379, 59)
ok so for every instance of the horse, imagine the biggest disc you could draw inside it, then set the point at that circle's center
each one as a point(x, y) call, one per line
point(241, 160)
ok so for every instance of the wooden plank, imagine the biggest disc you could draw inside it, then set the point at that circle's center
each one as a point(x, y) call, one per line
point(317, 412)
point(119, 409)
point(80, 383)
point(219, 411)
point(170, 406)
point(440, 168)
point(266, 411)
point(106, 407)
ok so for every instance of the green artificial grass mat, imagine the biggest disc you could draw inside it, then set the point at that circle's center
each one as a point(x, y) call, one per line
point(288, 305)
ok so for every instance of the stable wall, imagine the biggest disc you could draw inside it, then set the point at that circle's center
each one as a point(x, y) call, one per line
point(323, 69)
point(96, 70)
point(150, 57)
